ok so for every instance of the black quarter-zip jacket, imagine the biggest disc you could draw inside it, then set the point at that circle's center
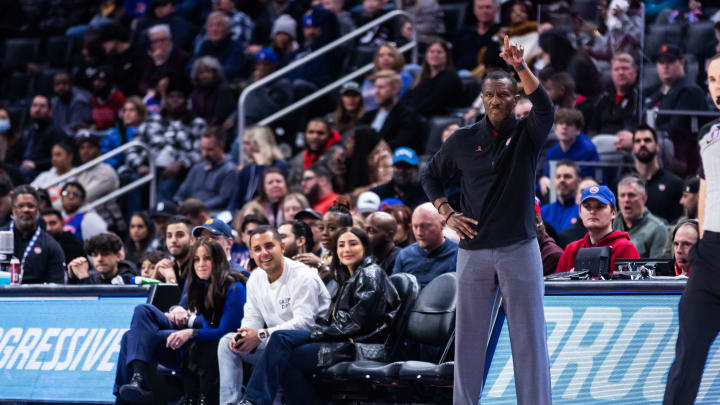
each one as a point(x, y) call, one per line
point(496, 168)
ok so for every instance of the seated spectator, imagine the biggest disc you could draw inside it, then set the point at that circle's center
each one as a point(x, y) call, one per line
point(405, 183)
point(211, 98)
point(61, 158)
point(427, 17)
point(664, 189)
point(219, 44)
point(240, 252)
point(259, 151)
point(174, 140)
point(337, 217)
point(270, 97)
point(84, 225)
point(273, 188)
point(218, 230)
point(404, 236)
point(297, 237)
point(320, 27)
point(318, 139)
point(194, 210)
point(241, 25)
point(177, 239)
point(677, 92)
point(433, 254)
point(164, 12)
point(617, 108)
point(106, 99)
point(108, 263)
point(597, 211)
point(437, 87)
point(292, 204)
point(684, 237)
point(521, 27)
point(284, 295)
point(149, 261)
point(370, 10)
point(564, 211)
point(473, 39)
point(164, 58)
point(561, 89)
point(159, 214)
point(93, 56)
point(689, 199)
point(334, 159)
point(100, 179)
point(366, 204)
point(158, 337)
point(577, 230)
point(317, 186)
point(368, 161)
point(142, 234)
point(314, 220)
point(398, 124)
point(381, 228)
point(32, 150)
point(41, 257)
point(550, 252)
point(365, 305)
point(125, 59)
point(213, 179)
point(387, 57)
point(647, 232)
point(55, 226)
point(344, 18)
point(283, 38)
point(349, 110)
point(572, 144)
point(132, 115)
point(70, 105)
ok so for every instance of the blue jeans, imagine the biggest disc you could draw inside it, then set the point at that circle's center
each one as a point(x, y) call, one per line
point(288, 358)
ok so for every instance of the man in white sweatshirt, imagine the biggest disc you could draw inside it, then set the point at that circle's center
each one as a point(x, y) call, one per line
point(282, 294)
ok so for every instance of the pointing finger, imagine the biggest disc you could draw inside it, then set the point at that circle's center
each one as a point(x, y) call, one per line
point(507, 43)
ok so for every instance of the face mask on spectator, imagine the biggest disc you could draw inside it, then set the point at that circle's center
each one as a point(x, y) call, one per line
point(4, 125)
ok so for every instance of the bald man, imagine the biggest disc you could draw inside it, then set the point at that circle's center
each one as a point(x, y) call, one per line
point(380, 228)
point(432, 254)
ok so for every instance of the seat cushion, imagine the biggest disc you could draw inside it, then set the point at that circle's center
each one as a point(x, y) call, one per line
point(374, 371)
point(335, 372)
point(430, 373)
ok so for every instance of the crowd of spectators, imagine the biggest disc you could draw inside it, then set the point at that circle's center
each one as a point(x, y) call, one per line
point(168, 73)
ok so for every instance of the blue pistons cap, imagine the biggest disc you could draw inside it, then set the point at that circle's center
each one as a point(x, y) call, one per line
point(216, 226)
point(406, 155)
point(268, 55)
point(600, 193)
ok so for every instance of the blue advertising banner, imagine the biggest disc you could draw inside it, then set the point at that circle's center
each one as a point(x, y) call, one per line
point(605, 349)
point(61, 349)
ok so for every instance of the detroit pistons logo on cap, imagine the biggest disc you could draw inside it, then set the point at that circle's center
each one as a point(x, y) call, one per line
point(594, 189)
point(209, 221)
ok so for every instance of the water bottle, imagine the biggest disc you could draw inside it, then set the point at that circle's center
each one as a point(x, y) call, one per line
point(143, 280)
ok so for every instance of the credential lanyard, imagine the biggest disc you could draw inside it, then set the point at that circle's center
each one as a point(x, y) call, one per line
point(27, 249)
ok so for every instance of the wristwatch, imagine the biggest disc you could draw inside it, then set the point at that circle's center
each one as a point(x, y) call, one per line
point(262, 335)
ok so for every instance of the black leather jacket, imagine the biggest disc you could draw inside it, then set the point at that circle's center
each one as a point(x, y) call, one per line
point(363, 308)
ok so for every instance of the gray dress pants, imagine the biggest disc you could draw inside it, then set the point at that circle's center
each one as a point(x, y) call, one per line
point(516, 272)
point(231, 370)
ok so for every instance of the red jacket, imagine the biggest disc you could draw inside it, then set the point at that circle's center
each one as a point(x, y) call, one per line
point(619, 241)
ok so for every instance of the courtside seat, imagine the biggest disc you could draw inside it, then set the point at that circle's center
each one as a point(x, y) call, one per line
point(374, 371)
point(427, 373)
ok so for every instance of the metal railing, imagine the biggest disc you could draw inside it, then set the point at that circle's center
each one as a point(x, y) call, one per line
point(148, 178)
point(693, 114)
point(310, 57)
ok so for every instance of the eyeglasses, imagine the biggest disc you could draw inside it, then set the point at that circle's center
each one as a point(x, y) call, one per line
point(75, 194)
point(308, 178)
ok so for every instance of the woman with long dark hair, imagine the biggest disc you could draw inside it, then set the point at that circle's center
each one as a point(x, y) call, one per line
point(368, 162)
point(141, 235)
point(215, 295)
point(349, 110)
point(438, 85)
point(361, 311)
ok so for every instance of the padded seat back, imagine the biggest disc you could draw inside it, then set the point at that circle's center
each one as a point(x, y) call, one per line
point(408, 289)
point(436, 126)
point(432, 319)
point(454, 17)
point(19, 52)
point(700, 35)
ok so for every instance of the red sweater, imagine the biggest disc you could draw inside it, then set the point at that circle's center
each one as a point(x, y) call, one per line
point(619, 241)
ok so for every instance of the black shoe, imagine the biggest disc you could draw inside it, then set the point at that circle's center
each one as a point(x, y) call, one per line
point(136, 390)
